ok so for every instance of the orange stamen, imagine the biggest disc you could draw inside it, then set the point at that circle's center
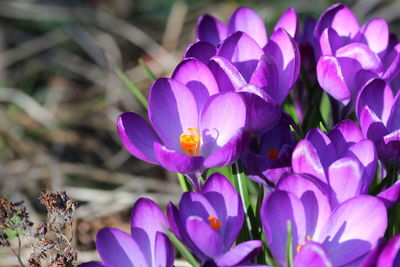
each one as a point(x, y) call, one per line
point(190, 143)
point(214, 223)
point(272, 153)
point(299, 247)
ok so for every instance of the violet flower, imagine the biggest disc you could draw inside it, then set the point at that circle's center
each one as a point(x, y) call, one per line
point(342, 160)
point(208, 222)
point(262, 112)
point(378, 112)
point(190, 131)
point(242, 57)
point(351, 55)
point(148, 244)
point(213, 31)
point(386, 254)
point(341, 235)
point(271, 155)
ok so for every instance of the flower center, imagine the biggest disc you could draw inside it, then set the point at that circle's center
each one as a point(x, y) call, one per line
point(300, 246)
point(272, 153)
point(214, 223)
point(190, 143)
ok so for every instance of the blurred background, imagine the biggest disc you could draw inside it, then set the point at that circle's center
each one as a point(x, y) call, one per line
point(60, 97)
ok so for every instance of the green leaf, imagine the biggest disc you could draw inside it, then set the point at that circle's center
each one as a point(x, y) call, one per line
point(148, 71)
point(289, 108)
point(289, 245)
point(241, 187)
point(295, 133)
point(181, 248)
point(132, 87)
point(226, 171)
point(183, 182)
point(322, 127)
point(325, 108)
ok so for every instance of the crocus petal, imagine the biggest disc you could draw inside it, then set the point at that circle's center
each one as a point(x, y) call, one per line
point(195, 204)
point(222, 116)
point(378, 96)
point(204, 237)
point(312, 255)
point(241, 253)
point(147, 220)
point(164, 253)
point(331, 79)
point(198, 78)
point(329, 42)
point(137, 136)
point(391, 63)
point(345, 178)
point(174, 220)
point(243, 52)
point(394, 120)
point(340, 18)
point(288, 21)
point(376, 35)
point(117, 248)
point(323, 145)
point(372, 127)
point(176, 161)
point(390, 253)
point(305, 160)
point(263, 112)
point(226, 201)
point(365, 152)
point(211, 30)
point(285, 52)
point(172, 110)
point(278, 208)
point(227, 75)
point(200, 50)
point(343, 135)
point(266, 76)
point(391, 195)
point(315, 201)
point(389, 147)
point(353, 229)
point(230, 151)
point(92, 264)
point(177, 226)
point(246, 20)
point(362, 54)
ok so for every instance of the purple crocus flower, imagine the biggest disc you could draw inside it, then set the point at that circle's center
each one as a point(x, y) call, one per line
point(262, 111)
point(190, 131)
point(148, 244)
point(272, 153)
point(238, 56)
point(378, 112)
point(350, 55)
point(342, 160)
point(213, 31)
point(208, 222)
point(342, 235)
point(386, 254)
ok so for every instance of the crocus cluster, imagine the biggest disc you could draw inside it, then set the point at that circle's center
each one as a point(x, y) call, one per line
point(263, 190)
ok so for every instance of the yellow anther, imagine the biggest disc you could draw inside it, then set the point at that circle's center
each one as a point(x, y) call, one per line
point(214, 223)
point(190, 143)
point(272, 153)
point(299, 247)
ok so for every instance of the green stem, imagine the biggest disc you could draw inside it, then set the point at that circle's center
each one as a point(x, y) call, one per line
point(244, 195)
point(146, 68)
point(134, 90)
point(182, 182)
point(289, 245)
